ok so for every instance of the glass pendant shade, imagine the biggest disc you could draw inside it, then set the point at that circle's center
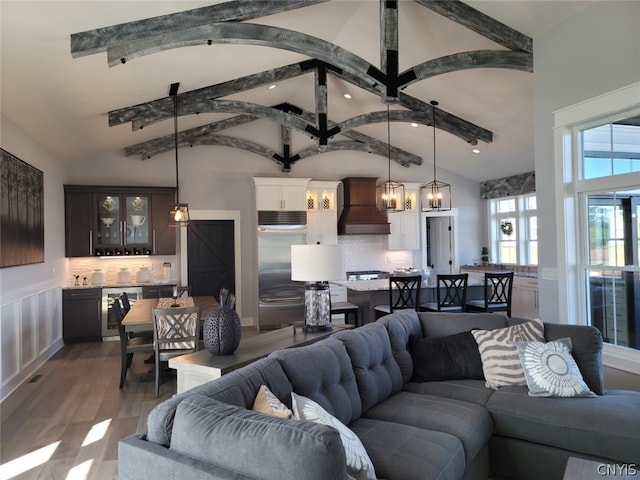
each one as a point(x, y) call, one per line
point(179, 215)
point(435, 196)
point(390, 195)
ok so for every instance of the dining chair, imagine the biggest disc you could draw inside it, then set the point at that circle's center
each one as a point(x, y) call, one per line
point(126, 304)
point(497, 294)
point(231, 301)
point(128, 345)
point(184, 290)
point(176, 331)
point(451, 294)
point(404, 293)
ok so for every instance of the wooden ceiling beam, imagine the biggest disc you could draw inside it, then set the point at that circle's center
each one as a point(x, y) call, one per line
point(480, 23)
point(99, 39)
point(156, 110)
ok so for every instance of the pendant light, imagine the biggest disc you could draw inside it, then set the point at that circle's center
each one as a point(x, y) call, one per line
point(179, 214)
point(435, 196)
point(390, 194)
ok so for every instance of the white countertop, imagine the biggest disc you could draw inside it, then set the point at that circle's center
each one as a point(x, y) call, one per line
point(118, 285)
point(383, 284)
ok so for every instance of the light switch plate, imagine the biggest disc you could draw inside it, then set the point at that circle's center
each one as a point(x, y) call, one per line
point(548, 273)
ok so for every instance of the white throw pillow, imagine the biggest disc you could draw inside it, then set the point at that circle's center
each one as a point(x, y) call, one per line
point(550, 369)
point(500, 362)
point(359, 464)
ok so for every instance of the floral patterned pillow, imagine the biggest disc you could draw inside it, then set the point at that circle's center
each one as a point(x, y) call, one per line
point(359, 466)
point(550, 370)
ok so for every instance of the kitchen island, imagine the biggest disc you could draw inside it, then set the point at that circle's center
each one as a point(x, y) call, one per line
point(367, 294)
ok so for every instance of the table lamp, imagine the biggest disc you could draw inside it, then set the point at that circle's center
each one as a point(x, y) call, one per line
point(316, 265)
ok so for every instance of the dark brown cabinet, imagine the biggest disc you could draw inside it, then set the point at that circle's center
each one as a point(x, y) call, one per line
point(82, 315)
point(157, 291)
point(118, 221)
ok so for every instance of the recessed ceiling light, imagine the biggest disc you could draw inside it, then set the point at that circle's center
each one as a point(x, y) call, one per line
point(414, 124)
point(475, 150)
point(272, 86)
point(347, 95)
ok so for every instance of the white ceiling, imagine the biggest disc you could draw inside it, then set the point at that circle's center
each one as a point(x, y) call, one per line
point(63, 102)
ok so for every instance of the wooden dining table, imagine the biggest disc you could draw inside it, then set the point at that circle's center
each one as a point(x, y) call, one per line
point(140, 317)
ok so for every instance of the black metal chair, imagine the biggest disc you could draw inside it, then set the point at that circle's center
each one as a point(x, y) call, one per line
point(404, 293)
point(176, 331)
point(498, 288)
point(451, 294)
point(128, 345)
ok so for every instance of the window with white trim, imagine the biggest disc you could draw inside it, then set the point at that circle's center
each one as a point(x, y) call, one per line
point(514, 230)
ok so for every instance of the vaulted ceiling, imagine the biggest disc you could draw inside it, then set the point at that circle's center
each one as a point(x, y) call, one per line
point(114, 93)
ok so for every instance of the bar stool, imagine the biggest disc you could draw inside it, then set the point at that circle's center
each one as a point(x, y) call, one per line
point(406, 290)
point(348, 309)
point(451, 294)
point(497, 294)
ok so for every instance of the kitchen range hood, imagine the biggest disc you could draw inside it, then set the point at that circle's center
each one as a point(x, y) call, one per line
point(360, 215)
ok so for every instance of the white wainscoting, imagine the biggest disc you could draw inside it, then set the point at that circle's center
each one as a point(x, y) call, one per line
point(30, 332)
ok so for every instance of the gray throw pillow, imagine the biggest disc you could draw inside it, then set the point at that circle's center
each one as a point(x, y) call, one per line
point(454, 357)
point(550, 370)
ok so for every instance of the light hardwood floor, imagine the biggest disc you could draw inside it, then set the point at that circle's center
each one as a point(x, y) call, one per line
point(66, 422)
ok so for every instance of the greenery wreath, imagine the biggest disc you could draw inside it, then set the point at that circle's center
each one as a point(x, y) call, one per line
point(506, 227)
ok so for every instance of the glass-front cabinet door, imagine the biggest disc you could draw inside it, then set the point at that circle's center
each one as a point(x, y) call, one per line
point(109, 226)
point(137, 220)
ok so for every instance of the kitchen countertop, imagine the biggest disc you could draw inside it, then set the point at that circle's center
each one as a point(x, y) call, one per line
point(120, 285)
point(518, 271)
point(383, 284)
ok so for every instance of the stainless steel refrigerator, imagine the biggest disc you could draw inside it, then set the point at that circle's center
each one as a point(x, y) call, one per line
point(280, 300)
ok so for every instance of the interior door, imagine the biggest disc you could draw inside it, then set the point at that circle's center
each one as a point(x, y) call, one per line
point(440, 252)
point(211, 256)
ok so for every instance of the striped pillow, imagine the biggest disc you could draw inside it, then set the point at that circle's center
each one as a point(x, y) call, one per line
point(500, 361)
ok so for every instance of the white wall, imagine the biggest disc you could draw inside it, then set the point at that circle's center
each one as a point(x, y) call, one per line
point(30, 295)
point(219, 178)
point(588, 55)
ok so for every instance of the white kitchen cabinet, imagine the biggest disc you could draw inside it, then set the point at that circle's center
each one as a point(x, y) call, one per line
point(524, 297)
point(322, 217)
point(405, 225)
point(280, 193)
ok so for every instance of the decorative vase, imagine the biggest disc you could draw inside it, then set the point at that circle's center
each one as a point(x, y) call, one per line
point(221, 331)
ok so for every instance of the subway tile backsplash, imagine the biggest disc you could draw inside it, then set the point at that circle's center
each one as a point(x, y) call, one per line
point(369, 252)
point(85, 266)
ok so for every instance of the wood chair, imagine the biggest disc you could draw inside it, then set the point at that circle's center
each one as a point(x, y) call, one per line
point(406, 290)
point(128, 345)
point(126, 304)
point(451, 294)
point(349, 310)
point(497, 294)
point(176, 331)
point(184, 290)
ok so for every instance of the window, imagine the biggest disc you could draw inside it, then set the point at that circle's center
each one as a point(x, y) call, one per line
point(514, 230)
point(609, 251)
point(610, 149)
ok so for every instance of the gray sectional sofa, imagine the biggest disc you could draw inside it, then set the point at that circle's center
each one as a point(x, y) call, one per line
point(449, 429)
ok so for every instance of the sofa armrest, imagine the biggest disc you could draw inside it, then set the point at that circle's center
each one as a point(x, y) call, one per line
point(139, 459)
point(256, 445)
point(586, 349)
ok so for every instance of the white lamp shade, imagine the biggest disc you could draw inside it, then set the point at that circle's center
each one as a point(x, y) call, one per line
point(317, 263)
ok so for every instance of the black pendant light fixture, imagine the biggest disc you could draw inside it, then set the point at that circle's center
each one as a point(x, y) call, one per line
point(179, 214)
point(390, 194)
point(435, 196)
